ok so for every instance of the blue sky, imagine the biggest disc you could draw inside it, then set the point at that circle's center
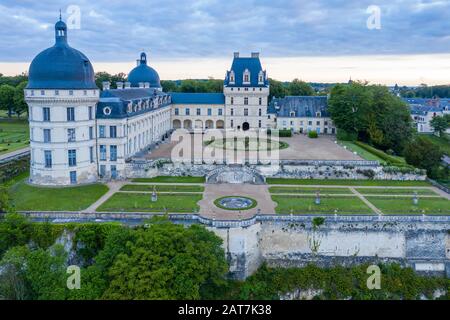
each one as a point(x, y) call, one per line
point(115, 31)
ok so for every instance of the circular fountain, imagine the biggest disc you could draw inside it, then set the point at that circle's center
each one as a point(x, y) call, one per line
point(235, 203)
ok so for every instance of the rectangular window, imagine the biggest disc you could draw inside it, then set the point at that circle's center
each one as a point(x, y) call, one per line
point(260, 112)
point(71, 135)
point(231, 123)
point(73, 177)
point(113, 132)
point(102, 153)
point(48, 158)
point(177, 111)
point(309, 123)
point(46, 114)
point(91, 154)
point(113, 153)
point(259, 123)
point(91, 133)
point(318, 123)
point(70, 114)
point(246, 101)
point(72, 158)
point(209, 112)
point(47, 136)
point(220, 112)
point(245, 112)
point(90, 113)
point(232, 111)
point(260, 101)
point(101, 131)
point(199, 111)
point(188, 111)
point(231, 100)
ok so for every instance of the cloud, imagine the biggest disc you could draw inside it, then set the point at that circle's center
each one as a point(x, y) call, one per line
point(172, 29)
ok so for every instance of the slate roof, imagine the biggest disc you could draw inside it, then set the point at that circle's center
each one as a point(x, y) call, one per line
point(421, 106)
point(303, 106)
point(197, 98)
point(144, 73)
point(239, 65)
point(141, 101)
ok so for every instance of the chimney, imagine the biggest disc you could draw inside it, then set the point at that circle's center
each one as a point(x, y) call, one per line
point(141, 85)
point(146, 85)
point(119, 85)
point(236, 54)
point(255, 54)
point(106, 85)
point(127, 85)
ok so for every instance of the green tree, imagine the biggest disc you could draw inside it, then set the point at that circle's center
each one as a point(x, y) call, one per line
point(15, 230)
point(13, 281)
point(300, 88)
point(168, 261)
point(277, 89)
point(20, 106)
point(169, 86)
point(349, 105)
point(424, 154)
point(439, 124)
point(7, 98)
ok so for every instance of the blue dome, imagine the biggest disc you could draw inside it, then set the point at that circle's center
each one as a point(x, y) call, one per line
point(61, 67)
point(144, 73)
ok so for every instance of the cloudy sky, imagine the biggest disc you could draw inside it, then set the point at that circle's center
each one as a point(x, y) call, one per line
point(316, 40)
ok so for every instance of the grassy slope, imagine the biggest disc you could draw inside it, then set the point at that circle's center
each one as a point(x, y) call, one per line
point(169, 179)
point(14, 135)
point(142, 203)
point(306, 205)
point(443, 143)
point(387, 183)
point(366, 155)
point(31, 198)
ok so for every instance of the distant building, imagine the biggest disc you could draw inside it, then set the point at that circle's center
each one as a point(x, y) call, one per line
point(424, 110)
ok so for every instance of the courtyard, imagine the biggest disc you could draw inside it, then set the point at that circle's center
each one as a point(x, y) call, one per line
point(297, 147)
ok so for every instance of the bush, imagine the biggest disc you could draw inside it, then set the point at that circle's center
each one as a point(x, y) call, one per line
point(389, 159)
point(313, 134)
point(286, 133)
point(346, 136)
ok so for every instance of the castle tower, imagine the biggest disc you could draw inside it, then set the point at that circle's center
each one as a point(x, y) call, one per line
point(246, 90)
point(62, 98)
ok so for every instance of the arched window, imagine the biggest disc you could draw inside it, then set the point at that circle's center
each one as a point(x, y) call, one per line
point(246, 76)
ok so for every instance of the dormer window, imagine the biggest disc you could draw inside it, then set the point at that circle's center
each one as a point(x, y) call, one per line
point(317, 114)
point(292, 114)
point(232, 81)
point(261, 78)
point(246, 76)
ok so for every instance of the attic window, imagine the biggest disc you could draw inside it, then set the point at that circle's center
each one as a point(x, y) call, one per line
point(292, 113)
point(246, 76)
point(232, 77)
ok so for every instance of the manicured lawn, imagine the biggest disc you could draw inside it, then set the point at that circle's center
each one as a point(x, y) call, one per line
point(162, 188)
point(31, 198)
point(14, 135)
point(306, 205)
point(132, 202)
point(387, 183)
point(169, 179)
point(366, 155)
point(390, 205)
point(368, 191)
point(309, 190)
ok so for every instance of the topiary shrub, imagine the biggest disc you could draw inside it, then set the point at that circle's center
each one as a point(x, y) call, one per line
point(313, 134)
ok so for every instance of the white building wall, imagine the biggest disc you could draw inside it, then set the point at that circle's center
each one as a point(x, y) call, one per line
point(306, 124)
point(59, 173)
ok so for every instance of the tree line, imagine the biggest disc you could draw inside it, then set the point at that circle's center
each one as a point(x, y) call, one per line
point(425, 91)
point(11, 94)
point(370, 113)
